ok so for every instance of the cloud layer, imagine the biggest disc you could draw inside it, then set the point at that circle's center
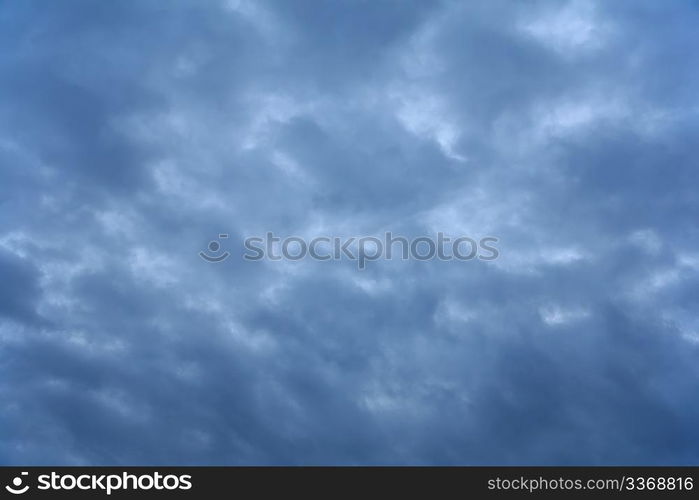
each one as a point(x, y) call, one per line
point(132, 133)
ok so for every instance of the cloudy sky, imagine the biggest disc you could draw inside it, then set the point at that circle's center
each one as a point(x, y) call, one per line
point(132, 133)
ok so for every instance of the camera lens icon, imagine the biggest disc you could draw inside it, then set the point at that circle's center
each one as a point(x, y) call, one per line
point(213, 252)
point(16, 488)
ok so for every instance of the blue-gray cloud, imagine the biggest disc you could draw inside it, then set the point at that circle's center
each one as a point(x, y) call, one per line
point(132, 133)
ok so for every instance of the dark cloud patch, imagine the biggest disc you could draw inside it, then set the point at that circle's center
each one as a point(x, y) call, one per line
point(21, 292)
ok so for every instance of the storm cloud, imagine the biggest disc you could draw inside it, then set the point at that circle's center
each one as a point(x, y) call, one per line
point(132, 133)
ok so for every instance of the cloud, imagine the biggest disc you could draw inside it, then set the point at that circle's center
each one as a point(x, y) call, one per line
point(132, 134)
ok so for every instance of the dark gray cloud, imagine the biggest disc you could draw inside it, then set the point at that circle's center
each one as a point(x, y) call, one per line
point(132, 133)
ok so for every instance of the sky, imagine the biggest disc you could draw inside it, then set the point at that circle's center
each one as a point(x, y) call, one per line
point(132, 133)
